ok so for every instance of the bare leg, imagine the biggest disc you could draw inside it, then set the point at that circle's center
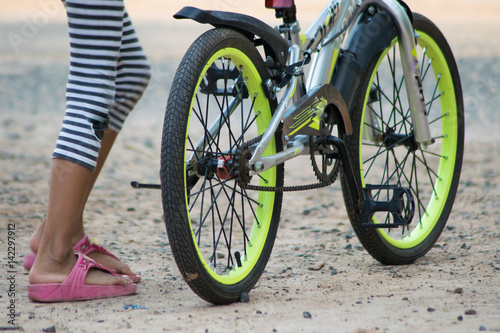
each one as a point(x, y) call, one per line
point(67, 195)
point(106, 145)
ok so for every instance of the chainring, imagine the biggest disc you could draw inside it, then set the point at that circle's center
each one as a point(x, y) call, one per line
point(324, 157)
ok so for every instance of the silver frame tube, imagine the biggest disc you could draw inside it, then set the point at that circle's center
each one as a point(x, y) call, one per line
point(411, 68)
point(331, 20)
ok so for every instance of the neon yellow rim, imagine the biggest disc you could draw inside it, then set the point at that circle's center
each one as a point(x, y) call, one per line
point(449, 127)
point(264, 210)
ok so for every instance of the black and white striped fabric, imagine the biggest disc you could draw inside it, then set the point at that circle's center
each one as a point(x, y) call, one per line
point(108, 75)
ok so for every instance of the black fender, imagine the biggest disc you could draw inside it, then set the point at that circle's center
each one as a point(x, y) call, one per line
point(274, 44)
point(370, 35)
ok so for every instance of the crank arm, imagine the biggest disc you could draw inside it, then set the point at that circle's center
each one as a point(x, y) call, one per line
point(267, 162)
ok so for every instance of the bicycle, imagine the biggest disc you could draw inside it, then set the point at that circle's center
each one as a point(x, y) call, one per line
point(247, 97)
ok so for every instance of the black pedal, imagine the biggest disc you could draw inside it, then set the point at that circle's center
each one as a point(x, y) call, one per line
point(401, 206)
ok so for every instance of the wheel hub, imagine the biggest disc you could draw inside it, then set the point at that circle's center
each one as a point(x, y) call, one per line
point(224, 167)
point(392, 139)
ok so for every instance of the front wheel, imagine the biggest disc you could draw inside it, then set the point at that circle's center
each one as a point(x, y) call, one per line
point(221, 234)
point(385, 152)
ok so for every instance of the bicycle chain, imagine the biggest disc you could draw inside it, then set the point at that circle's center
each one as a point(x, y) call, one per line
point(294, 188)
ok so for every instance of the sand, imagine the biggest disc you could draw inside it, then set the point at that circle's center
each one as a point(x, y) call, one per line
point(318, 267)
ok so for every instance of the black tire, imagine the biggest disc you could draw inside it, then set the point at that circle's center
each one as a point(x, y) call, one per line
point(385, 153)
point(221, 234)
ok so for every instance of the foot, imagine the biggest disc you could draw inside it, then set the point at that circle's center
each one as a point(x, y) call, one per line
point(86, 280)
point(104, 259)
point(52, 270)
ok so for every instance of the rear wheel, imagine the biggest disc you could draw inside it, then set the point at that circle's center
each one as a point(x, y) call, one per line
point(221, 234)
point(386, 152)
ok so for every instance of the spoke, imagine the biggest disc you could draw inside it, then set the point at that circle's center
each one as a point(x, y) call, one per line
point(384, 173)
point(242, 197)
point(434, 99)
point(434, 94)
point(440, 117)
point(222, 231)
point(424, 162)
point(441, 156)
point(242, 224)
point(424, 53)
point(379, 92)
point(378, 153)
point(263, 179)
point(417, 191)
point(400, 166)
point(400, 109)
point(253, 211)
point(389, 101)
point(429, 174)
point(208, 142)
point(201, 221)
point(429, 63)
point(214, 197)
point(380, 117)
point(230, 210)
point(373, 127)
point(249, 122)
point(203, 189)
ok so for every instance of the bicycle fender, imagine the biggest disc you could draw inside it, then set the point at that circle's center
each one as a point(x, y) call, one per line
point(370, 35)
point(274, 44)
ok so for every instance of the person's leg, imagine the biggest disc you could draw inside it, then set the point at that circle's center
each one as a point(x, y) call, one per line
point(133, 74)
point(95, 29)
point(110, 262)
point(106, 145)
point(55, 258)
point(132, 78)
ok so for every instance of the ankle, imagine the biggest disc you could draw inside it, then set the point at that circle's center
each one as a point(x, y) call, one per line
point(77, 237)
point(51, 267)
point(37, 237)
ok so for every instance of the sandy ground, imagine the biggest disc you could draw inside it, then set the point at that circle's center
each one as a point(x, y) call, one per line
point(317, 266)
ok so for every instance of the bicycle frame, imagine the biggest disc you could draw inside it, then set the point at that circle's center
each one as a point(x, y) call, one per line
point(320, 38)
point(323, 39)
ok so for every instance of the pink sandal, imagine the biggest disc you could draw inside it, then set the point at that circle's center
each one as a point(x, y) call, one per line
point(74, 287)
point(85, 246)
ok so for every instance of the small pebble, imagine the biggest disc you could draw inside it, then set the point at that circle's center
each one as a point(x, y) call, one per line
point(470, 312)
point(49, 329)
point(431, 309)
point(333, 271)
point(460, 318)
point(482, 328)
point(307, 315)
